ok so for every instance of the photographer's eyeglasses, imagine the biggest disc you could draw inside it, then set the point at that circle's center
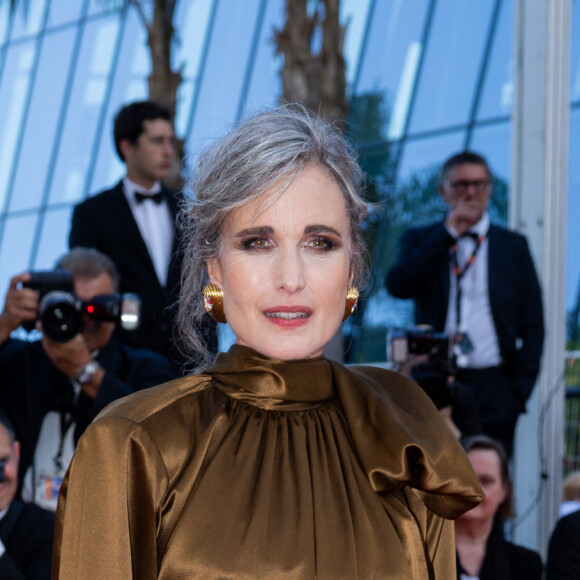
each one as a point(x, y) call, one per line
point(462, 186)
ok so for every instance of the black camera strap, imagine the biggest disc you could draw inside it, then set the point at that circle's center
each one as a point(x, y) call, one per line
point(66, 420)
point(460, 272)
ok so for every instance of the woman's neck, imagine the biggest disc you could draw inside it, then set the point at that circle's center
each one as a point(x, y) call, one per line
point(473, 531)
point(470, 540)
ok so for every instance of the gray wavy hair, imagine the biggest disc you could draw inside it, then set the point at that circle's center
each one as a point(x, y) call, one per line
point(264, 153)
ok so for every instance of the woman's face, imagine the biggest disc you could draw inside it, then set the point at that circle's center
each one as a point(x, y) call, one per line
point(487, 466)
point(285, 270)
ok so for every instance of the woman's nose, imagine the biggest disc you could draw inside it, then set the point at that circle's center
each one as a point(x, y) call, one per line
point(289, 271)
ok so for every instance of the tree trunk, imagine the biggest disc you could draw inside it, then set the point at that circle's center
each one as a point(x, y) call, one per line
point(317, 80)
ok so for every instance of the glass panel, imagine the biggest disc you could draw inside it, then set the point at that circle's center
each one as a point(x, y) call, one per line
point(64, 11)
point(13, 98)
point(54, 238)
point(573, 238)
point(414, 201)
point(89, 90)
point(266, 85)
point(390, 62)
point(4, 21)
point(42, 118)
point(129, 84)
point(188, 52)
point(494, 143)
point(451, 65)
point(16, 247)
point(28, 22)
point(100, 6)
point(224, 69)
point(575, 70)
point(353, 13)
point(497, 94)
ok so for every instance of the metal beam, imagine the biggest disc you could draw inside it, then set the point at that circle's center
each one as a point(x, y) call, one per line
point(538, 204)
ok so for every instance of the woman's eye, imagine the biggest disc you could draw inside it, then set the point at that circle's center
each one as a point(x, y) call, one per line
point(320, 244)
point(257, 243)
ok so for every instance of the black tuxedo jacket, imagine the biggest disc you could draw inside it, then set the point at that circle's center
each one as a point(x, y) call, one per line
point(28, 541)
point(564, 549)
point(421, 272)
point(105, 222)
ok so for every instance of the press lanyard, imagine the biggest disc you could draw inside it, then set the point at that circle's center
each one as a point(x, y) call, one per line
point(66, 420)
point(460, 272)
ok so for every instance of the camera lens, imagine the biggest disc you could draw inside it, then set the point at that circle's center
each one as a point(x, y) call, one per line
point(58, 313)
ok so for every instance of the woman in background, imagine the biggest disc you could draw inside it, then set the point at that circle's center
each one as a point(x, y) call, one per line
point(272, 461)
point(483, 553)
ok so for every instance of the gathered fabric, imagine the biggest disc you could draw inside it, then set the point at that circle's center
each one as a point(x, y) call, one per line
point(261, 468)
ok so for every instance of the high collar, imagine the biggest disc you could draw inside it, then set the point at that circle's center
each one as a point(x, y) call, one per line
point(243, 373)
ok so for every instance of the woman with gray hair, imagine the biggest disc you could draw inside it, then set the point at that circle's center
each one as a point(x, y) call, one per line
point(270, 461)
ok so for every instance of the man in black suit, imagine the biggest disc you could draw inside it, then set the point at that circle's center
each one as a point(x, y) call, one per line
point(26, 531)
point(564, 549)
point(51, 390)
point(134, 223)
point(477, 281)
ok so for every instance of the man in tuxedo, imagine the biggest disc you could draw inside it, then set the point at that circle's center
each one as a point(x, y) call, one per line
point(134, 223)
point(26, 531)
point(51, 389)
point(477, 281)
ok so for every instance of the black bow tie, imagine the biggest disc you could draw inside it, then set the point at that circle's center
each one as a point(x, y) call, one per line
point(156, 197)
point(471, 235)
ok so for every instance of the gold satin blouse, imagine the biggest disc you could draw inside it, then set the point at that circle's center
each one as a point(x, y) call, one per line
point(262, 468)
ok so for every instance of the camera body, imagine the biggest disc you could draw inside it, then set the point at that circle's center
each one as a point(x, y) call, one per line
point(416, 340)
point(434, 374)
point(61, 312)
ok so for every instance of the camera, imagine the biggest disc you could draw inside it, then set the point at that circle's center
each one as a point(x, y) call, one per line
point(433, 374)
point(406, 342)
point(61, 312)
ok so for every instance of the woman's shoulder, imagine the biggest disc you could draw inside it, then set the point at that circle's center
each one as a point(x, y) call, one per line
point(160, 400)
point(171, 421)
point(393, 387)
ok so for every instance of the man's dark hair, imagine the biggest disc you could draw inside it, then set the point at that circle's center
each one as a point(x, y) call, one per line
point(8, 425)
point(88, 263)
point(128, 122)
point(461, 158)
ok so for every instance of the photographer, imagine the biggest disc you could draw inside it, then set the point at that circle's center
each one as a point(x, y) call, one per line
point(52, 390)
point(476, 281)
point(26, 531)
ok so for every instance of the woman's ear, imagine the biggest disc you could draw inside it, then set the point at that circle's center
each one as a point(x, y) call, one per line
point(214, 272)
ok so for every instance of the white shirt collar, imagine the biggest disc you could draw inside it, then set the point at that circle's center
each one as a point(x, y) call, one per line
point(480, 228)
point(132, 187)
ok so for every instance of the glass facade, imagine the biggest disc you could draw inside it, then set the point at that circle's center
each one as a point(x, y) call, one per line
point(425, 77)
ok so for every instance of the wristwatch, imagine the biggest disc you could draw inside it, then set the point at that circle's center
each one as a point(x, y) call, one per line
point(87, 372)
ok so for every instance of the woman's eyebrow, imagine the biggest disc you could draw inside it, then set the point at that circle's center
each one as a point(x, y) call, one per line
point(258, 231)
point(321, 229)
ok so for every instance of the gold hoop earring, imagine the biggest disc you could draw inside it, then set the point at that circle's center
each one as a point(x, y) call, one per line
point(351, 300)
point(213, 301)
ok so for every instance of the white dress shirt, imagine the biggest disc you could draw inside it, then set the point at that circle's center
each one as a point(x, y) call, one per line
point(155, 224)
point(476, 318)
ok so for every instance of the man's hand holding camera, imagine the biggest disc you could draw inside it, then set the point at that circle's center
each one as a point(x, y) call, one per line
point(21, 304)
point(71, 357)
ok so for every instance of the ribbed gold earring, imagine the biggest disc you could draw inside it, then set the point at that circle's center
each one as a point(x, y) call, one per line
point(351, 300)
point(213, 300)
